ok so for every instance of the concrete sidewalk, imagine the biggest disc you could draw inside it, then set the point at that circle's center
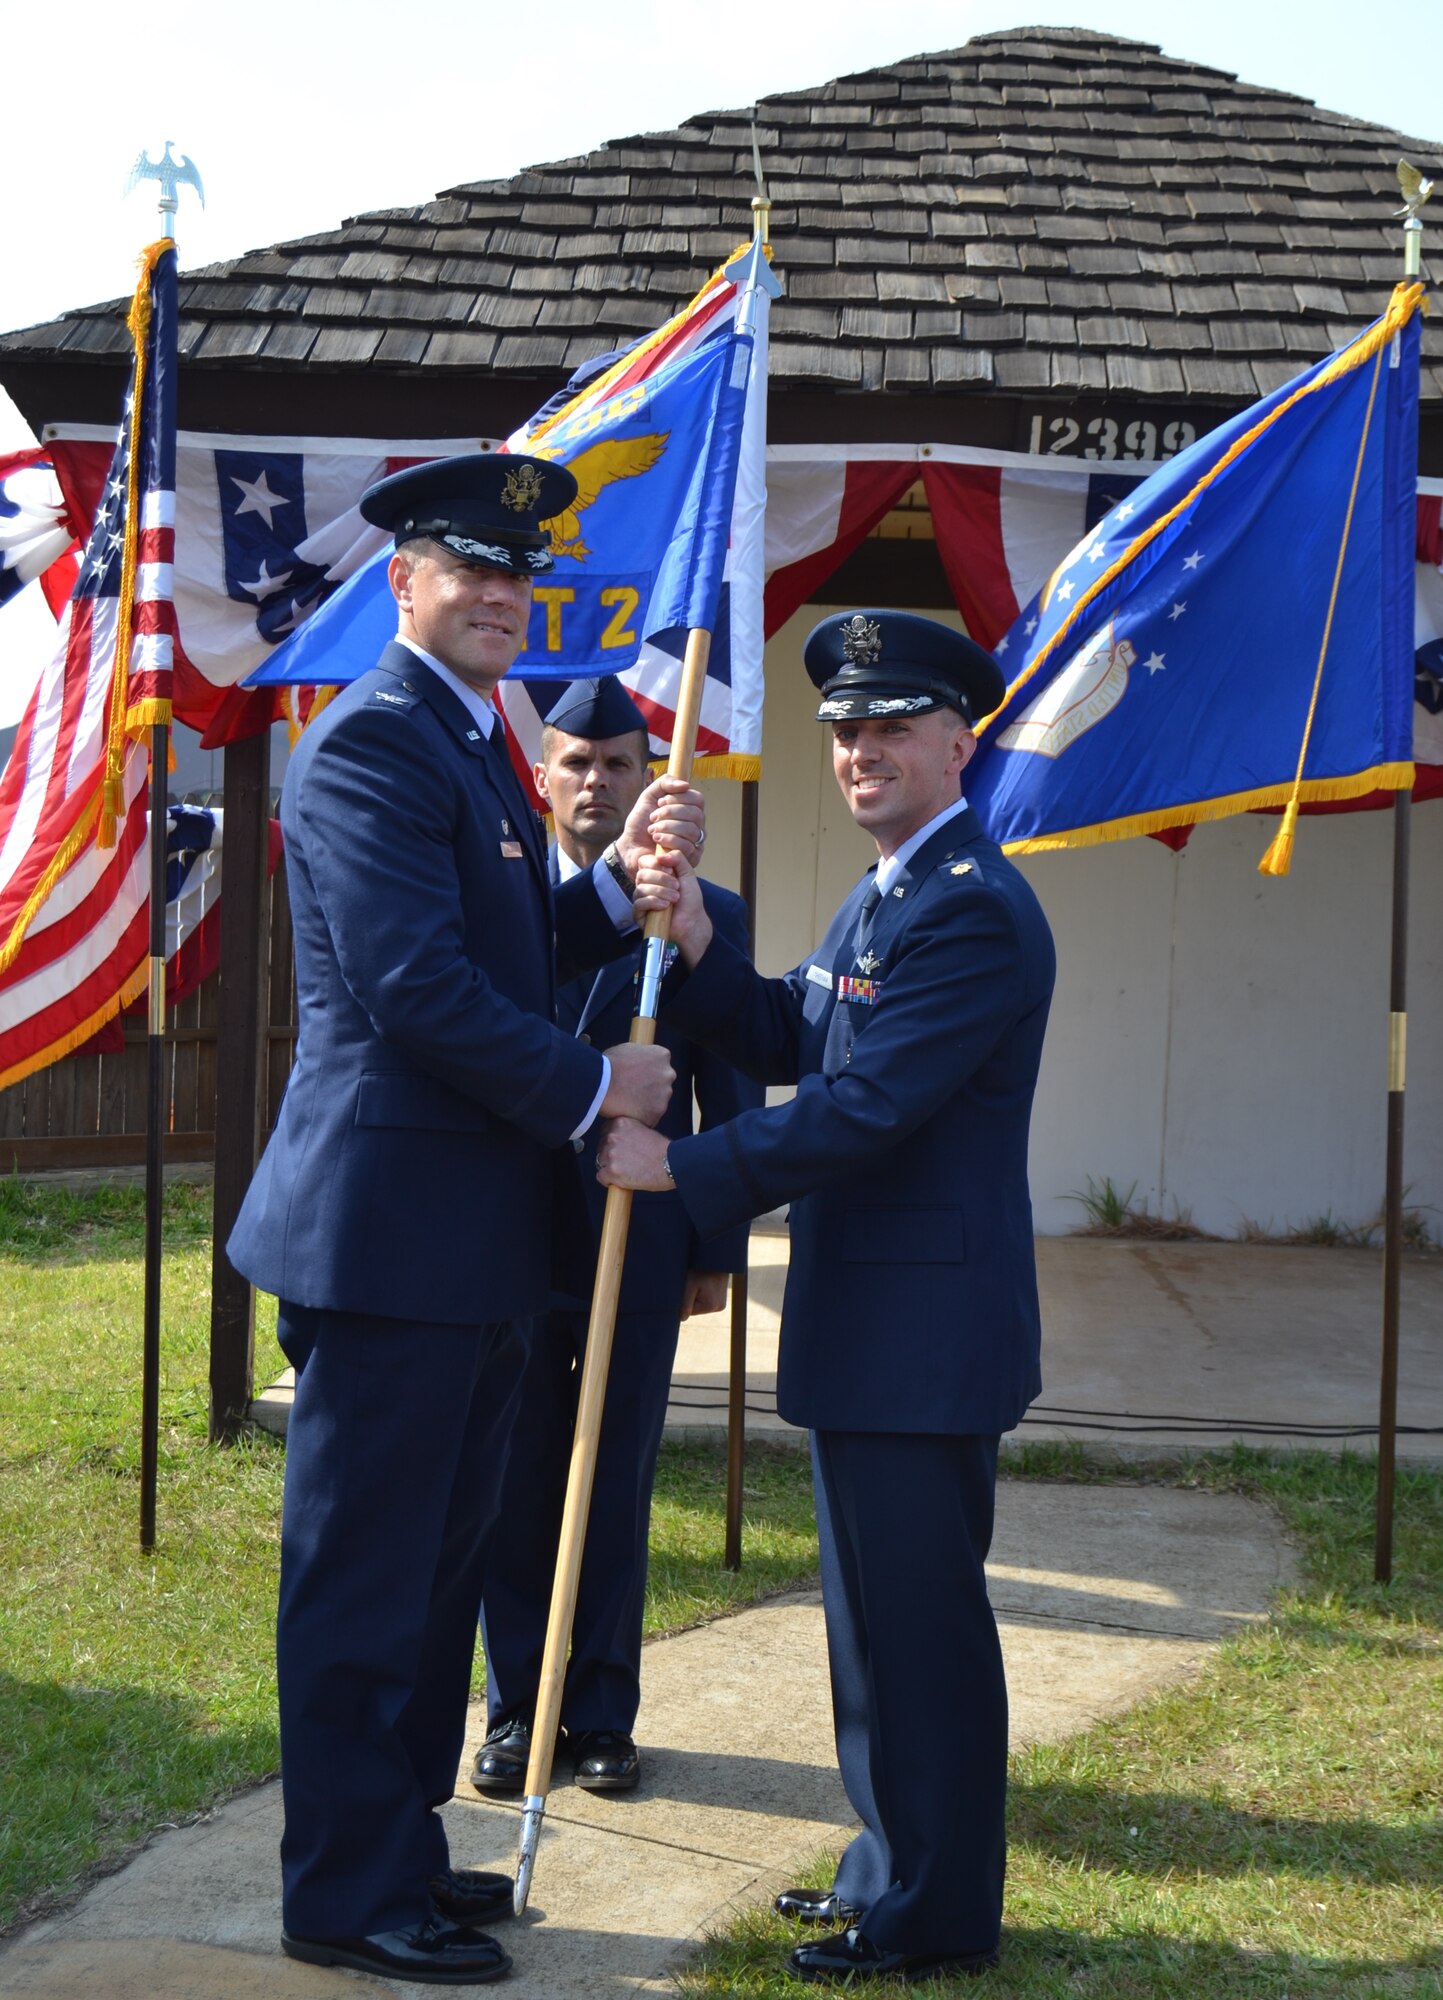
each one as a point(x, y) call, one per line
point(1152, 1347)
point(1147, 1348)
point(1104, 1594)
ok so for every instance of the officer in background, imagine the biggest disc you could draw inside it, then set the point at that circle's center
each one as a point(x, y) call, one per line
point(401, 1211)
point(593, 767)
point(910, 1330)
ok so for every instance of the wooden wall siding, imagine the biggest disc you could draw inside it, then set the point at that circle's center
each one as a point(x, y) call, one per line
point(89, 1110)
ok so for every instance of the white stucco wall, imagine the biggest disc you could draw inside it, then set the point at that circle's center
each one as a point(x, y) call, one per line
point(1218, 1037)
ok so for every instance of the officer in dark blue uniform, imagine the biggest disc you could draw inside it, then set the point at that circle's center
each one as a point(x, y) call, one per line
point(910, 1330)
point(401, 1211)
point(593, 768)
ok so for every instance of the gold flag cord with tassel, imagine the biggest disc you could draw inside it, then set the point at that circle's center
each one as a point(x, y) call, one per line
point(121, 725)
point(1279, 857)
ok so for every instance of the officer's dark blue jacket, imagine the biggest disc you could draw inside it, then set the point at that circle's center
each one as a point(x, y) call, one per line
point(409, 1174)
point(661, 1245)
point(911, 1301)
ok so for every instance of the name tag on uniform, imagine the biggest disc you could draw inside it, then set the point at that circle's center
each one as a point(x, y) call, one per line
point(512, 850)
point(819, 976)
point(858, 992)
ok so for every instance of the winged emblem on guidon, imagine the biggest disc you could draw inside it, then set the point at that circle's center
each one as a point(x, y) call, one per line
point(593, 470)
point(170, 173)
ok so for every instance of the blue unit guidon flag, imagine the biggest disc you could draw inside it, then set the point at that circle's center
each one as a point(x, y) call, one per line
point(73, 867)
point(1237, 632)
point(667, 443)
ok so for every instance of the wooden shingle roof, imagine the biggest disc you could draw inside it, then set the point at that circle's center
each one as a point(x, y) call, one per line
point(1044, 214)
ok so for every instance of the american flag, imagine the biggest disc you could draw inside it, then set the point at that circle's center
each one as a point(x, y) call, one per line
point(73, 865)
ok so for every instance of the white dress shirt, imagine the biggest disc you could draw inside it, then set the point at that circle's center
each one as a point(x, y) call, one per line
point(888, 870)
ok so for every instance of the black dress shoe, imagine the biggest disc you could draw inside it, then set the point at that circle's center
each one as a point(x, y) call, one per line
point(850, 1956)
point(434, 1953)
point(472, 1896)
point(606, 1760)
point(500, 1766)
point(815, 1906)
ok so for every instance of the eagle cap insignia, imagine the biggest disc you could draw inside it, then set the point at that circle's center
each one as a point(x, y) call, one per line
point(861, 641)
point(521, 489)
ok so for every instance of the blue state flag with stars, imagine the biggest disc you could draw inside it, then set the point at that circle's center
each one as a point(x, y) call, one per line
point(640, 551)
point(1236, 633)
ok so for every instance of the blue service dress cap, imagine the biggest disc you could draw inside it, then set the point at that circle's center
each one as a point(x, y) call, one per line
point(596, 709)
point(877, 663)
point(485, 509)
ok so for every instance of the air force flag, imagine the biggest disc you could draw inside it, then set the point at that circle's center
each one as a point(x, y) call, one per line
point(1237, 632)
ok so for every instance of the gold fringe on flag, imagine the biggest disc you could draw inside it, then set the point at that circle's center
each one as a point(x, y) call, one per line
point(77, 1036)
point(1313, 791)
point(120, 723)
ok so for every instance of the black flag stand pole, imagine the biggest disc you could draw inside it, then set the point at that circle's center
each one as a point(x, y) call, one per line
point(1393, 1205)
point(1415, 192)
point(170, 175)
point(154, 1133)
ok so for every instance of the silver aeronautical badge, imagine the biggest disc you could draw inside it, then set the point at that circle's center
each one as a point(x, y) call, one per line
point(868, 963)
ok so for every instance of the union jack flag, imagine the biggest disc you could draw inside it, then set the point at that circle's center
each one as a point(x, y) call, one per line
point(73, 862)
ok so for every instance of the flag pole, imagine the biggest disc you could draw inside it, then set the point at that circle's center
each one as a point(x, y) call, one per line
point(611, 1254)
point(1415, 192)
point(741, 1280)
point(169, 176)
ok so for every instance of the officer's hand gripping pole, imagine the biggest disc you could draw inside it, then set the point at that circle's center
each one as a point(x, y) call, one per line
point(610, 1258)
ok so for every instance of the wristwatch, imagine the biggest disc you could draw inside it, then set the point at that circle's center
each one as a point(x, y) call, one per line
point(666, 1167)
point(615, 867)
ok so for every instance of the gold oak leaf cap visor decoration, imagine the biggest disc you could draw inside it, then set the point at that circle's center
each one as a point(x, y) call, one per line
point(486, 510)
point(880, 663)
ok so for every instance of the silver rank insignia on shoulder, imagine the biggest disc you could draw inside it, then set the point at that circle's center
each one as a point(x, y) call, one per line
point(964, 868)
point(868, 963)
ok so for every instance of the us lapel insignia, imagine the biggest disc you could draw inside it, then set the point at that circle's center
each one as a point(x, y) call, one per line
point(964, 867)
point(506, 826)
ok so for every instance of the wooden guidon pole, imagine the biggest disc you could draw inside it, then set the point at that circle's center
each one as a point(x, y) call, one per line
point(610, 1258)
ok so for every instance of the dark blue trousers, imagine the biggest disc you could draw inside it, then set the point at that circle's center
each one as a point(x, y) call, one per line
point(918, 1692)
point(603, 1676)
point(393, 1468)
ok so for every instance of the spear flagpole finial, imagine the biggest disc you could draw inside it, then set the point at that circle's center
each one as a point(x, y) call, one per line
point(1416, 189)
point(761, 201)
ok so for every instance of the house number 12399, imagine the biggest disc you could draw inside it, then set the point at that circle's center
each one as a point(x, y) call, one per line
point(1109, 437)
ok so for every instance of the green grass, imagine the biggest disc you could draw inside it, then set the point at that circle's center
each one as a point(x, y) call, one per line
point(1273, 1829)
point(136, 1690)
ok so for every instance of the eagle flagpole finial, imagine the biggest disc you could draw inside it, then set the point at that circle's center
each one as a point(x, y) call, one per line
point(172, 175)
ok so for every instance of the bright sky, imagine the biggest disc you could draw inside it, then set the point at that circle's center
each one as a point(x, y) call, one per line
point(299, 115)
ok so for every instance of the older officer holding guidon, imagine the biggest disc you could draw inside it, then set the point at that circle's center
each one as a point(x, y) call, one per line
point(910, 1331)
point(401, 1212)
